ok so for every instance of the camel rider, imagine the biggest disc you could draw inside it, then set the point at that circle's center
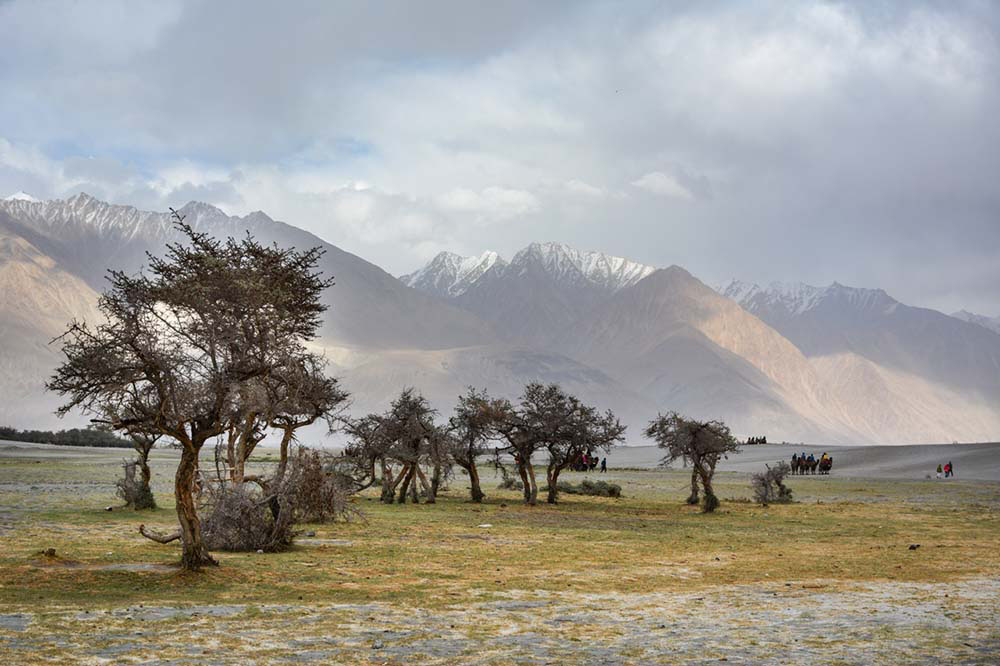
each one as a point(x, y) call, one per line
point(823, 458)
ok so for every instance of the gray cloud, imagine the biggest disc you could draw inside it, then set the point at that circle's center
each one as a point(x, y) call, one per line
point(818, 141)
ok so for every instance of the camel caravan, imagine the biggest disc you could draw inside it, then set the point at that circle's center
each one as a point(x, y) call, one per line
point(809, 465)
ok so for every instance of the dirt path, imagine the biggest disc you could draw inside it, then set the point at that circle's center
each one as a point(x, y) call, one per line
point(787, 622)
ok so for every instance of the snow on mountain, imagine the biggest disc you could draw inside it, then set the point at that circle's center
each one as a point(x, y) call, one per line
point(21, 196)
point(989, 323)
point(566, 264)
point(449, 274)
point(796, 298)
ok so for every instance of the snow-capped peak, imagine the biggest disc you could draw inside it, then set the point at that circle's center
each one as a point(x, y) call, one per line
point(796, 298)
point(449, 274)
point(568, 264)
point(22, 196)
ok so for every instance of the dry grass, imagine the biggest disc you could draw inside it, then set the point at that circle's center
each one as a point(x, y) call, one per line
point(429, 554)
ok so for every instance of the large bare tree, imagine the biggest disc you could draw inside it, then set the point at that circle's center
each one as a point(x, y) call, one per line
point(583, 431)
point(183, 341)
point(468, 434)
point(700, 443)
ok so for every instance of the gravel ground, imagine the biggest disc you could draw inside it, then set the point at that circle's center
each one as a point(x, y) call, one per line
point(794, 622)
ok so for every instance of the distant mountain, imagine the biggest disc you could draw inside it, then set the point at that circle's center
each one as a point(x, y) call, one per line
point(684, 346)
point(897, 367)
point(20, 196)
point(990, 323)
point(794, 362)
point(544, 288)
point(38, 298)
point(367, 305)
point(449, 274)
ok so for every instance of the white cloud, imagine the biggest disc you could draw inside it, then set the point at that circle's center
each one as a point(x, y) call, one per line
point(585, 189)
point(661, 184)
point(470, 125)
point(489, 204)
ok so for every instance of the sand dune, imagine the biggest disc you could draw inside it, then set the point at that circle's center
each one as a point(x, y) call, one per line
point(972, 461)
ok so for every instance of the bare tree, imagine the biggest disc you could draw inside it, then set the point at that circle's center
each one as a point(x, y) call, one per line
point(702, 443)
point(469, 432)
point(542, 417)
point(583, 432)
point(301, 394)
point(182, 342)
point(366, 458)
point(413, 439)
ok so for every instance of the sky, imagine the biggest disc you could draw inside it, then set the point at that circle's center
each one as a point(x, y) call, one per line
point(790, 141)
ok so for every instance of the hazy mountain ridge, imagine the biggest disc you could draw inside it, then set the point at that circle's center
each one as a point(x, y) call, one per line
point(795, 362)
point(989, 323)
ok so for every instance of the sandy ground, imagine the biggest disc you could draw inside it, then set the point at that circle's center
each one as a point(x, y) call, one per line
point(979, 462)
point(972, 461)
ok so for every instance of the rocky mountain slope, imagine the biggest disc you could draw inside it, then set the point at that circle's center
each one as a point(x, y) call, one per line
point(38, 297)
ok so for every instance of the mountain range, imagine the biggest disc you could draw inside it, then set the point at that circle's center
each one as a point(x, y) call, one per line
point(829, 364)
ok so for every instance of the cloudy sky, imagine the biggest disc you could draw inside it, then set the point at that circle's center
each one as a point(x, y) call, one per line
point(759, 140)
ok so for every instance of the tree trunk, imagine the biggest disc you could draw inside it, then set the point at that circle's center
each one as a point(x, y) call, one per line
point(146, 474)
point(693, 497)
point(230, 454)
point(711, 502)
point(435, 484)
point(425, 485)
point(286, 439)
point(533, 495)
point(388, 484)
point(553, 477)
point(409, 484)
point(525, 483)
point(194, 555)
point(475, 488)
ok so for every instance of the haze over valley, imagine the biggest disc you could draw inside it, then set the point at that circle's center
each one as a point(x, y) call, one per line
point(835, 364)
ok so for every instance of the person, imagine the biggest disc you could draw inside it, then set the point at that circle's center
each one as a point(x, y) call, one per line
point(948, 470)
point(939, 471)
point(604, 465)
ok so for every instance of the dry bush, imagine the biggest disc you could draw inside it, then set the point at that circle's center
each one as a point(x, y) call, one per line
point(769, 487)
point(132, 490)
point(245, 517)
point(318, 492)
point(594, 488)
point(241, 518)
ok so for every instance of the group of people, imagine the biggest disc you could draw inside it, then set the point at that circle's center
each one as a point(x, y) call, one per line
point(802, 463)
point(948, 470)
point(756, 440)
point(588, 463)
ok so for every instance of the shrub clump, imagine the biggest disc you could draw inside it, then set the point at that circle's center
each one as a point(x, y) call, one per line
point(769, 487)
point(510, 483)
point(132, 490)
point(245, 518)
point(318, 492)
point(588, 487)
